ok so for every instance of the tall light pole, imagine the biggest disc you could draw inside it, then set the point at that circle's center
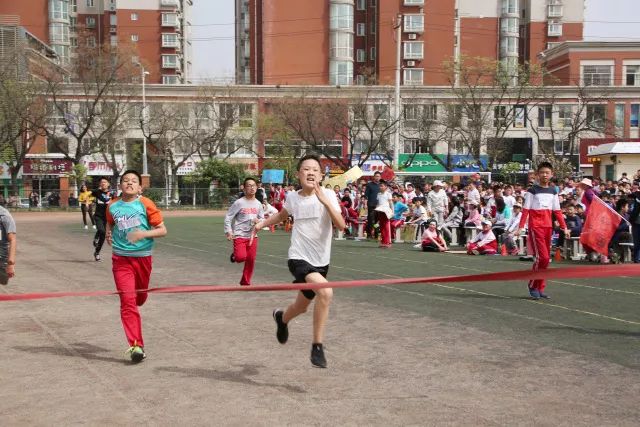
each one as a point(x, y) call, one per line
point(145, 170)
point(396, 135)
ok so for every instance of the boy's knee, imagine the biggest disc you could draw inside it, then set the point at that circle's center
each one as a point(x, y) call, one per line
point(324, 295)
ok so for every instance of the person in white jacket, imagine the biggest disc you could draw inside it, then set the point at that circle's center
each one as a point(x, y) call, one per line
point(511, 226)
point(437, 202)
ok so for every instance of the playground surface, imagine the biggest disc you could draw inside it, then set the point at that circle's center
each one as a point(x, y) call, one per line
point(461, 354)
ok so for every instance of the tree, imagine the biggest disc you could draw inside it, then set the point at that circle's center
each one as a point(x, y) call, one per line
point(491, 101)
point(90, 108)
point(558, 126)
point(421, 129)
point(22, 110)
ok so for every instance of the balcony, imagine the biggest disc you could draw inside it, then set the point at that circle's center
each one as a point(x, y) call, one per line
point(554, 11)
point(169, 3)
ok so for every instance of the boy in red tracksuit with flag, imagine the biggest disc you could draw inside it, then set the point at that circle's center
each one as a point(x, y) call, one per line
point(541, 204)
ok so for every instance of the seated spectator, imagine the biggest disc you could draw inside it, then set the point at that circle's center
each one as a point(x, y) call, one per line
point(474, 219)
point(454, 220)
point(485, 242)
point(574, 224)
point(349, 214)
point(431, 239)
point(419, 214)
point(509, 235)
point(503, 214)
point(623, 232)
point(399, 212)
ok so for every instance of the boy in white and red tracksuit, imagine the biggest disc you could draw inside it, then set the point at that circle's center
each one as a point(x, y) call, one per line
point(541, 204)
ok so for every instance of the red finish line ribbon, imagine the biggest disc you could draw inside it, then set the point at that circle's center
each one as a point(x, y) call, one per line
point(519, 275)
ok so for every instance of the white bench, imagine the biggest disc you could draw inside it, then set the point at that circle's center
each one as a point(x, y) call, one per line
point(398, 238)
point(360, 236)
point(454, 236)
point(470, 233)
point(627, 252)
point(339, 235)
point(572, 245)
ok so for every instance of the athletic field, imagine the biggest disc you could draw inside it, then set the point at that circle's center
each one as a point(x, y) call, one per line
point(455, 354)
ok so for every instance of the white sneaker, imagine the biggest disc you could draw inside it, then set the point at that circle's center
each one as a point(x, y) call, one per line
point(418, 246)
point(94, 227)
point(86, 228)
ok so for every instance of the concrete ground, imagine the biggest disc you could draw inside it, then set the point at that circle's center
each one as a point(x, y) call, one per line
point(213, 358)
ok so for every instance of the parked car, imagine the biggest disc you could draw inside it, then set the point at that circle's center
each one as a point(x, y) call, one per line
point(24, 202)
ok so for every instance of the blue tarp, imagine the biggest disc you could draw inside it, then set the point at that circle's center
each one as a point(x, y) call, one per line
point(273, 176)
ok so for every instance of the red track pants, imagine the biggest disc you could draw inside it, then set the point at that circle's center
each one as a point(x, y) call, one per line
point(243, 252)
point(540, 239)
point(385, 228)
point(132, 274)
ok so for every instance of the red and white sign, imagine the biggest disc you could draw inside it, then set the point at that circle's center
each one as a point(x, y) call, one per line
point(39, 166)
point(97, 165)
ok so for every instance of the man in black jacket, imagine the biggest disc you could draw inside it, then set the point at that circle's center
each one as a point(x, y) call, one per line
point(634, 219)
point(371, 194)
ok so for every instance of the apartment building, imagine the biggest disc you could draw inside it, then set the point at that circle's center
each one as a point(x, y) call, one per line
point(158, 31)
point(343, 42)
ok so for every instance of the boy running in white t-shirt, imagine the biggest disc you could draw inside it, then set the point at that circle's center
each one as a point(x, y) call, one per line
point(315, 211)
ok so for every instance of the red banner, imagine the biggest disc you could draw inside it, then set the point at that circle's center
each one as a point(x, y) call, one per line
point(39, 166)
point(599, 227)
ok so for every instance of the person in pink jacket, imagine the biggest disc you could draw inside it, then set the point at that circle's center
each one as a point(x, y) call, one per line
point(474, 219)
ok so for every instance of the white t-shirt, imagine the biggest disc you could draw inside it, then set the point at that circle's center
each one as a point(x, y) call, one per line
point(384, 198)
point(509, 201)
point(312, 227)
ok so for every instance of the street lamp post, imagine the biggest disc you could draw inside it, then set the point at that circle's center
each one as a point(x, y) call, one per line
point(145, 170)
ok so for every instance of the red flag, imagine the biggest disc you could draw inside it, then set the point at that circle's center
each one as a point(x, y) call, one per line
point(388, 174)
point(600, 226)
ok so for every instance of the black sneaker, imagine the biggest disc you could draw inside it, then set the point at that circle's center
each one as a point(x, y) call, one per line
point(136, 353)
point(232, 258)
point(96, 256)
point(544, 296)
point(317, 356)
point(283, 330)
point(95, 243)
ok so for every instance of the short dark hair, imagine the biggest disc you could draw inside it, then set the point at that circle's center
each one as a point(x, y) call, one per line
point(250, 178)
point(396, 195)
point(544, 165)
point(310, 156)
point(105, 178)
point(377, 173)
point(382, 181)
point(133, 171)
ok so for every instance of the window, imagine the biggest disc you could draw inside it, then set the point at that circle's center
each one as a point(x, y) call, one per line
point(169, 40)
point(551, 45)
point(134, 16)
point(74, 42)
point(372, 24)
point(169, 61)
point(74, 6)
point(134, 37)
point(619, 115)
point(545, 113)
point(113, 20)
point(413, 50)
point(113, 39)
point(169, 19)
point(413, 76)
point(509, 25)
point(246, 115)
point(341, 16)
point(413, 2)
point(170, 79)
point(633, 119)
point(341, 45)
point(59, 9)
point(361, 29)
point(58, 33)
point(135, 60)
point(558, 147)
point(332, 148)
point(372, 54)
point(431, 112)
point(361, 4)
point(409, 146)
point(381, 115)
point(555, 29)
point(373, 3)
point(597, 75)
point(413, 23)
point(555, 11)
point(227, 112)
point(91, 22)
point(499, 116)
point(520, 117)
point(90, 3)
point(565, 116)
point(411, 116)
point(632, 75)
point(361, 55)
point(57, 145)
point(73, 23)
point(278, 148)
point(596, 115)
point(340, 73)
point(508, 46)
point(510, 6)
point(91, 41)
point(360, 79)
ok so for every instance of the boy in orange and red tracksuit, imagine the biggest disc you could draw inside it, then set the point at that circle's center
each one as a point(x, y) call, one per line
point(541, 204)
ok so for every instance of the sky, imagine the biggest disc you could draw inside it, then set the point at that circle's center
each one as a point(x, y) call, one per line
point(214, 46)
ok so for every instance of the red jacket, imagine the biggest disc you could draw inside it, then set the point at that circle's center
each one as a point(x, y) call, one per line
point(541, 204)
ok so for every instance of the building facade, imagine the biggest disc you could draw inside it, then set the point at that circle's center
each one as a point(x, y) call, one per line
point(343, 42)
point(157, 31)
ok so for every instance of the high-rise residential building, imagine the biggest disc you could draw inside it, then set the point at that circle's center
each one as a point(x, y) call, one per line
point(342, 42)
point(158, 31)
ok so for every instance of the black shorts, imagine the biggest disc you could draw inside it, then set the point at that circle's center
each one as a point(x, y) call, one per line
point(300, 269)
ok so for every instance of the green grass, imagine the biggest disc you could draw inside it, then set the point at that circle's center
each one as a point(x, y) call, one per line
point(597, 318)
